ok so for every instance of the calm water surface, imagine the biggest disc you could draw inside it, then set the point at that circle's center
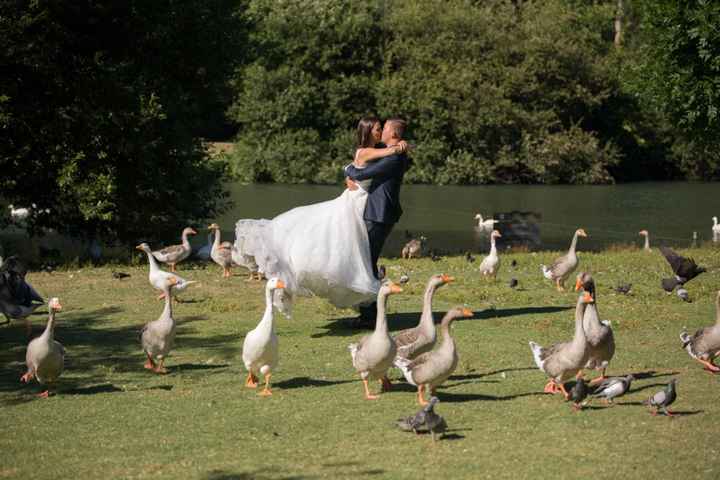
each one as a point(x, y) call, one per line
point(542, 217)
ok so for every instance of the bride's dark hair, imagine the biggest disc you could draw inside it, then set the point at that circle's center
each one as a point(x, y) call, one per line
point(364, 132)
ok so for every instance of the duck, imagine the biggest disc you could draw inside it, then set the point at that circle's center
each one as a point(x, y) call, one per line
point(18, 299)
point(158, 278)
point(45, 356)
point(415, 341)
point(685, 269)
point(599, 334)
point(373, 355)
point(175, 254)
point(221, 252)
point(414, 248)
point(645, 234)
point(203, 253)
point(704, 345)
point(715, 230)
point(260, 351)
point(562, 361)
point(431, 369)
point(491, 263)
point(158, 337)
point(565, 265)
point(485, 225)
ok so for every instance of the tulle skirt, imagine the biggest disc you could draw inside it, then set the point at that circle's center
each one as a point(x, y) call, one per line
point(320, 249)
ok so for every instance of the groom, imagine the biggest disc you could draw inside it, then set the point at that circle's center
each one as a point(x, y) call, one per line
point(382, 210)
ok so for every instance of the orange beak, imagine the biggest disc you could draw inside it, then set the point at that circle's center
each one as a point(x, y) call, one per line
point(467, 312)
point(447, 278)
point(138, 247)
point(578, 284)
point(280, 284)
point(395, 288)
point(587, 298)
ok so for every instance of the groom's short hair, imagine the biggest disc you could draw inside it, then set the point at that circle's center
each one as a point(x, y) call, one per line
point(399, 125)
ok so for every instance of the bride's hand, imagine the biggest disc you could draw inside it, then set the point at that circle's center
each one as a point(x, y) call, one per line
point(350, 184)
point(401, 147)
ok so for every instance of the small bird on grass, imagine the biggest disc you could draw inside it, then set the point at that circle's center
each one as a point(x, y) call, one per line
point(435, 255)
point(663, 399)
point(120, 275)
point(469, 257)
point(404, 278)
point(425, 420)
point(683, 294)
point(624, 288)
point(578, 393)
point(513, 263)
point(514, 282)
point(613, 388)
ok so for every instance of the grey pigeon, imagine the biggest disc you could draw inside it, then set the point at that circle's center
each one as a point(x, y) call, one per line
point(613, 388)
point(624, 288)
point(683, 294)
point(404, 278)
point(469, 257)
point(513, 263)
point(425, 420)
point(120, 275)
point(513, 282)
point(663, 399)
point(578, 393)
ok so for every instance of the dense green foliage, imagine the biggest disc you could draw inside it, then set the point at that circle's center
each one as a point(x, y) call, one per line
point(496, 91)
point(101, 111)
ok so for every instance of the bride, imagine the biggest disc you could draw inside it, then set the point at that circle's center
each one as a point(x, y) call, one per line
point(320, 249)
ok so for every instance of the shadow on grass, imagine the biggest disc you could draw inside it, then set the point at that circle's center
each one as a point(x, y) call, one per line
point(344, 327)
point(254, 475)
point(300, 382)
point(472, 397)
point(197, 366)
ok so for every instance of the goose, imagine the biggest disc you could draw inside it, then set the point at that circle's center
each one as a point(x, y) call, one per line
point(260, 352)
point(414, 341)
point(645, 234)
point(431, 369)
point(414, 248)
point(704, 346)
point(485, 225)
point(175, 254)
point(45, 356)
point(19, 214)
point(18, 299)
point(563, 360)
point(221, 252)
point(373, 355)
point(491, 263)
point(716, 230)
point(158, 336)
point(599, 334)
point(203, 252)
point(565, 265)
point(158, 278)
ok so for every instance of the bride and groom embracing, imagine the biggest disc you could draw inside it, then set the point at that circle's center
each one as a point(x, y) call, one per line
point(330, 249)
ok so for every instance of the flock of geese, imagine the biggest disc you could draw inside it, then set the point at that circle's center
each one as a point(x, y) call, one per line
point(426, 355)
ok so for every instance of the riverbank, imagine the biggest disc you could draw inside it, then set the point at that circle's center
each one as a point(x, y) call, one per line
point(112, 418)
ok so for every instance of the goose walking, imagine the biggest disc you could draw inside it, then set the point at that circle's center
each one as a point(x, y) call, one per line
point(45, 356)
point(485, 225)
point(158, 278)
point(491, 263)
point(704, 345)
point(158, 336)
point(221, 252)
point(175, 254)
point(565, 265)
point(599, 334)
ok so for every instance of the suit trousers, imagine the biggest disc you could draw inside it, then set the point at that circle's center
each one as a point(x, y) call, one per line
point(377, 234)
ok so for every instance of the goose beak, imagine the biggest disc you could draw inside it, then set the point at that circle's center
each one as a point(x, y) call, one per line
point(582, 233)
point(578, 285)
point(193, 232)
point(394, 288)
point(467, 313)
point(138, 247)
point(280, 284)
point(587, 298)
point(447, 278)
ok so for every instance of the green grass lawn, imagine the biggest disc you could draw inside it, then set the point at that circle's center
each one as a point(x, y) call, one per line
point(113, 419)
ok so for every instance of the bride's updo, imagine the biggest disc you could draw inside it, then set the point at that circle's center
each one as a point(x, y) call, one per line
point(364, 132)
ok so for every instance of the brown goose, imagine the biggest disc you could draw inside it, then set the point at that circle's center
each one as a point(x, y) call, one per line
point(563, 360)
point(175, 253)
point(221, 253)
point(431, 369)
point(564, 266)
point(45, 357)
point(704, 346)
point(414, 248)
point(373, 355)
point(414, 341)
point(599, 334)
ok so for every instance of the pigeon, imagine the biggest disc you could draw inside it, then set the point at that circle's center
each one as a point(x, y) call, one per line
point(663, 399)
point(435, 255)
point(425, 420)
point(683, 294)
point(623, 288)
point(685, 269)
point(120, 275)
point(578, 393)
point(404, 278)
point(513, 263)
point(514, 282)
point(613, 388)
point(469, 257)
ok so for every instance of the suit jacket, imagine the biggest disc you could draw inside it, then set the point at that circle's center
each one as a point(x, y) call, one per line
point(383, 203)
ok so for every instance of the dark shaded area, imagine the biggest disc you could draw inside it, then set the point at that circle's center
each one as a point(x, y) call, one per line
point(300, 382)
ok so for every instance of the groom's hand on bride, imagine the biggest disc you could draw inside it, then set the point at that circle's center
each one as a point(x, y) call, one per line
point(350, 184)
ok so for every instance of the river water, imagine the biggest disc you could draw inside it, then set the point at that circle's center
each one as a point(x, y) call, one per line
point(535, 216)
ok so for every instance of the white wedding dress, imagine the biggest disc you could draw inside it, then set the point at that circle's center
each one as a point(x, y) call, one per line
point(320, 249)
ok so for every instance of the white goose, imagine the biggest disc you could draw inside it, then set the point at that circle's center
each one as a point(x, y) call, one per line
point(45, 357)
point(491, 263)
point(260, 349)
point(158, 278)
point(645, 234)
point(485, 225)
point(158, 336)
point(716, 230)
point(221, 252)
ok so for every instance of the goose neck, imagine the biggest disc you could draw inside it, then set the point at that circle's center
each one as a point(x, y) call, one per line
point(579, 336)
point(49, 331)
point(381, 319)
point(573, 244)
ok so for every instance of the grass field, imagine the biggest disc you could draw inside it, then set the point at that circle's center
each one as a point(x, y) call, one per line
point(113, 419)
